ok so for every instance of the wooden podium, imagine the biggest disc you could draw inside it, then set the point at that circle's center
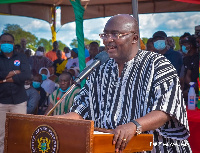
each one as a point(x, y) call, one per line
point(47, 134)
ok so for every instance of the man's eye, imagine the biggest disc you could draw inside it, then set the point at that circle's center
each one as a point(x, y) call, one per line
point(115, 34)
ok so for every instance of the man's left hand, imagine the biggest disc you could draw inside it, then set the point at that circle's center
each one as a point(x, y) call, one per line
point(122, 135)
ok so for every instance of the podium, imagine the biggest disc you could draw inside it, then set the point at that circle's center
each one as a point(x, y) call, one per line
point(48, 134)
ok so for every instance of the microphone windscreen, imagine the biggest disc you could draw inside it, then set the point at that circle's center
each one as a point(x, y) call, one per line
point(102, 56)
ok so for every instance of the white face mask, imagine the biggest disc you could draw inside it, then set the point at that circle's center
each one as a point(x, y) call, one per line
point(39, 53)
point(68, 55)
point(27, 86)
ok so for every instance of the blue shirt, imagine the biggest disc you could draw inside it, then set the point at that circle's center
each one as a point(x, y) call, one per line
point(175, 58)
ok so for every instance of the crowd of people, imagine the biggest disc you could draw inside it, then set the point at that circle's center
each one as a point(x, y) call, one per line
point(134, 91)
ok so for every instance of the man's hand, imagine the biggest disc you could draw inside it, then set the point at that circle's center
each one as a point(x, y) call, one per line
point(12, 73)
point(122, 135)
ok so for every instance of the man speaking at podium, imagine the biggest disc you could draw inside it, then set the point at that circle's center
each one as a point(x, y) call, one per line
point(134, 91)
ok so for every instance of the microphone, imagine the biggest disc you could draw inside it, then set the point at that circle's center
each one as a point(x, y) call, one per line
point(99, 59)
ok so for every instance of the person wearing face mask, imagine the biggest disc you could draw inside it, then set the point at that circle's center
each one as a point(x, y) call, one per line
point(67, 52)
point(161, 46)
point(47, 84)
point(39, 60)
point(36, 83)
point(191, 64)
point(14, 70)
point(65, 81)
point(33, 97)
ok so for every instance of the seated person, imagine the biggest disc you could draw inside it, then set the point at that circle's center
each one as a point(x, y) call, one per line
point(65, 81)
point(47, 84)
point(37, 80)
point(33, 97)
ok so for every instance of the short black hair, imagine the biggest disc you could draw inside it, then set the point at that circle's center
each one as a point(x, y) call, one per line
point(66, 73)
point(7, 34)
point(94, 43)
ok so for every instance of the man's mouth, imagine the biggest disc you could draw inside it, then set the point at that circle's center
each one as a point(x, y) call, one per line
point(111, 48)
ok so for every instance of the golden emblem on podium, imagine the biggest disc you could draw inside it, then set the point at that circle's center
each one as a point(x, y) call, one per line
point(44, 140)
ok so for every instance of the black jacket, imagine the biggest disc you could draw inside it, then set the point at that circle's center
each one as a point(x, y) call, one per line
point(14, 93)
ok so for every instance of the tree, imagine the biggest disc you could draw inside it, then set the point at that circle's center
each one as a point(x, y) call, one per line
point(19, 33)
point(74, 43)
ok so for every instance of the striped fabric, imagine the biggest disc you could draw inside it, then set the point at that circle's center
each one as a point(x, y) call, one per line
point(148, 82)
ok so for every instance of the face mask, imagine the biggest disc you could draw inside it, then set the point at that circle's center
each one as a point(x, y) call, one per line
point(44, 77)
point(184, 49)
point(36, 84)
point(6, 48)
point(64, 90)
point(159, 44)
point(27, 86)
point(68, 55)
point(39, 53)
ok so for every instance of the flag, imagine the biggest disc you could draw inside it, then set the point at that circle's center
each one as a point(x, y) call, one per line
point(79, 12)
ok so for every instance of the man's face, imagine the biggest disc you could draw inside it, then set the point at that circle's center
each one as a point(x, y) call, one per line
point(23, 42)
point(6, 39)
point(64, 81)
point(119, 49)
point(93, 49)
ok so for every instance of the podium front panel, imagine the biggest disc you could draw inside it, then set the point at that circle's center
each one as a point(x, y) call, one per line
point(73, 136)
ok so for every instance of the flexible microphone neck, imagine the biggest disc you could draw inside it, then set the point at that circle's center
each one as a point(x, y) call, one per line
point(99, 59)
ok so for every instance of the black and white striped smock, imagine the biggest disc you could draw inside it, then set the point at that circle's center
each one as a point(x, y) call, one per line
point(148, 82)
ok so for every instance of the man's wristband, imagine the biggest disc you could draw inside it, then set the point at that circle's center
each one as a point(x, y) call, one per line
point(14, 72)
point(4, 80)
point(138, 127)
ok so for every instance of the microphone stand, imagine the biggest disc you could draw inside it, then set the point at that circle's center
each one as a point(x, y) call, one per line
point(68, 91)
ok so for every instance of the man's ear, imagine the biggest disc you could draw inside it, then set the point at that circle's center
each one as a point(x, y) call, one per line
point(135, 39)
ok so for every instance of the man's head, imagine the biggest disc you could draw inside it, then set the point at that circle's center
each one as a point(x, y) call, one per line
point(55, 46)
point(7, 43)
point(160, 42)
point(67, 52)
point(40, 52)
point(120, 37)
point(37, 80)
point(188, 45)
point(17, 48)
point(59, 54)
point(23, 43)
point(93, 49)
point(171, 42)
point(74, 52)
point(65, 80)
point(28, 53)
point(149, 45)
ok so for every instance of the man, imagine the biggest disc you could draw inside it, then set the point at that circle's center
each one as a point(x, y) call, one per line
point(93, 51)
point(161, 47)
point(23, 46)
point(65, 81)
point(191, 64)
point(52, 54)
point(67, 52)
point(38, 60)
point(33, 97)
point(134, 91)
point(73, 62)
point(14, 70)
point(59, 64)
point(171, 42)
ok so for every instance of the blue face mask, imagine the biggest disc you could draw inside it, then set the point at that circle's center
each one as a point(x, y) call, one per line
point(44, 77)
point(36, 84)
point(159, 44)
point(6, 48)
point(184, 49)
point(64, 90)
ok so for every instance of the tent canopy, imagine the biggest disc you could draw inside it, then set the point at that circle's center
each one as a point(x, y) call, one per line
point(41, 9)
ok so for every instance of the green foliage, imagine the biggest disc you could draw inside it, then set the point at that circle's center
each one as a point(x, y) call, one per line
point(177, 46)
point(19, 33)
point(74, 43)
point(144, 40)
